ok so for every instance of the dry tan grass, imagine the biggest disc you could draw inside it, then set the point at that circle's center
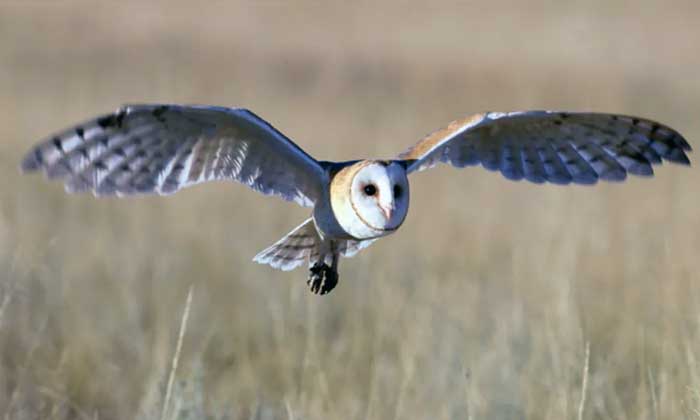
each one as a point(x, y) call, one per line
point(480, 307)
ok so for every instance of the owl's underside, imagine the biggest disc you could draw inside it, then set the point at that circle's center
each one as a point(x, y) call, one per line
point(159, 149)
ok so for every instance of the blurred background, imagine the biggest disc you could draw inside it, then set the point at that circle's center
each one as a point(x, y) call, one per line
point(481, 306)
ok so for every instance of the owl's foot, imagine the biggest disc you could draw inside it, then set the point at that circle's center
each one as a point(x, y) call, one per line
point(322, 278)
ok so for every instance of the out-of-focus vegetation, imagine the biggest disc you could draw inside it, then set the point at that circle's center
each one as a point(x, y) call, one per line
point(480, 307)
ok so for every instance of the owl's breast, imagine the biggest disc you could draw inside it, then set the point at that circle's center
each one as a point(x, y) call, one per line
point(326, 222)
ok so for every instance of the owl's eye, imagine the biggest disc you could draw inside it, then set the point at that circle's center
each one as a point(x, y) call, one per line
point(397, 191)
point(370, 189)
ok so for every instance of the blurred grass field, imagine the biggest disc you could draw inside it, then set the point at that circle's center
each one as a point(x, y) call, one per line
point(481, 306)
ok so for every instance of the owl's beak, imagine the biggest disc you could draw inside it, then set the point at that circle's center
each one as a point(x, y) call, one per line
point(387, 211)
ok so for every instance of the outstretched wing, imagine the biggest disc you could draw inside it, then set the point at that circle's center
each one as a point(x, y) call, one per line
point(159, 149)
point(548, 146)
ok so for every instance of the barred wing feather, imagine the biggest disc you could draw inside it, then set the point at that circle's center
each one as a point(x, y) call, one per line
point(159, 149)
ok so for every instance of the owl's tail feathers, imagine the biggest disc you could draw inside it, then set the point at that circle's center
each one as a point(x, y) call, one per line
point(303, 244)
point(300, 245)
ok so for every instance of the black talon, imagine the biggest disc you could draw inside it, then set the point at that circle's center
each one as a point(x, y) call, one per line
point(322, 278)
point(331, 280)
point(315, 277)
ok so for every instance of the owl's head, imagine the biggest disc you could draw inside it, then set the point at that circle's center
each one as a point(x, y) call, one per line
point(370, 198)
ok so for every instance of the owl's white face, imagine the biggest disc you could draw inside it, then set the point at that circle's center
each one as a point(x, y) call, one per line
point(375, 201)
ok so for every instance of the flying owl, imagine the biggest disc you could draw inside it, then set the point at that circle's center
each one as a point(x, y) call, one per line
point(159, 149)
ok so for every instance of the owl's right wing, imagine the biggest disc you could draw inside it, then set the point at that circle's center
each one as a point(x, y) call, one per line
point(159, 149)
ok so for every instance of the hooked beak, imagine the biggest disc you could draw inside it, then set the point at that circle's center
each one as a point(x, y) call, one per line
point(387, 211)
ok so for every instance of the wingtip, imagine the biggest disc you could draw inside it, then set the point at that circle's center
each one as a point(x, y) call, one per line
point(679, 157)
point(31, 162)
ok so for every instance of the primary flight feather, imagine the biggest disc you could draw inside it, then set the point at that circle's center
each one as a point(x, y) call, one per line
point(159, 149)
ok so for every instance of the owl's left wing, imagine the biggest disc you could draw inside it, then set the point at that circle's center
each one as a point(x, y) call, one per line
point(549, 146)
point(159, 149)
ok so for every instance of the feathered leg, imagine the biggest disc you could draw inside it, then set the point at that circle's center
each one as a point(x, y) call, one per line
point(323, 277)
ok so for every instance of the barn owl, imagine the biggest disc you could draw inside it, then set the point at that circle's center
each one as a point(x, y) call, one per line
point(159, 149)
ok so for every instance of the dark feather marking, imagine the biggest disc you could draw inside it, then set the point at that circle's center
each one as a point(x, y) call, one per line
point(296, 247)
point(299, 235)
point(120, 117)
point(593, 129)
point(532, 166)
point(286, 258)
point(58, 145)
point(112, 120)
point(511, 162)
point(283, 252)
point(106, 121)
point(159, 111)
point(643, 144)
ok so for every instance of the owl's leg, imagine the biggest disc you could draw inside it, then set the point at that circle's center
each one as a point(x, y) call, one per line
point(323, 277)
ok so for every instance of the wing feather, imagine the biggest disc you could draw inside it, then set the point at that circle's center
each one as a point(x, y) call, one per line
point(549, 146)
point(159, 149)
point(532, 165)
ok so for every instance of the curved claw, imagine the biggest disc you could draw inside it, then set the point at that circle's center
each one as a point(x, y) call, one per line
point(322, 278)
